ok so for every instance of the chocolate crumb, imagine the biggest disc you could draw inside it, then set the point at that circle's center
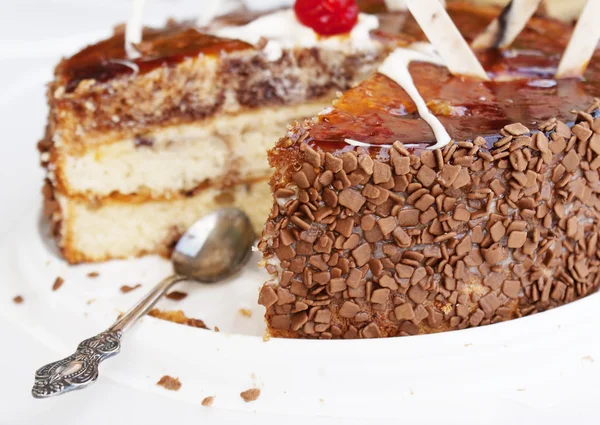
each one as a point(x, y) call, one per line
point(143, 141)
point(169, 383)
point(250, 395)
point(176, 295)
point(18, 299)
point(58, 283)
point(125, 288)
point(208, 401)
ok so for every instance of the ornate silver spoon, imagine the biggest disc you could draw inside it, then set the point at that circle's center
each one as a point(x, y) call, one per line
point(215, 247)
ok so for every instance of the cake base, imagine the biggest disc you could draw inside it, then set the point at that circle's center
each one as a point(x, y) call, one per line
point(123, 229)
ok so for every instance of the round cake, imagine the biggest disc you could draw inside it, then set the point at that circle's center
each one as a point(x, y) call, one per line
point(373, 234)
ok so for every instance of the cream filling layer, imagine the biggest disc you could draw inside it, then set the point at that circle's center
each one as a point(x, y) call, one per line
point(122, 229)
point(179, 158)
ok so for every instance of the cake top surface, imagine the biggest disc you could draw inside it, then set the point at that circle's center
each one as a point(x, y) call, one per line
point(237, 31)
point(523, 89)
point(107, 59)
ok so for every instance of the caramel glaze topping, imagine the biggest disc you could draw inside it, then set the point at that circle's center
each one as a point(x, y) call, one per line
point(161, 47)
point(378, 111)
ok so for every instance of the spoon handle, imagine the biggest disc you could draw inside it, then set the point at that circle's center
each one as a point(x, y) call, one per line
point(80, 369)
point(144, 305)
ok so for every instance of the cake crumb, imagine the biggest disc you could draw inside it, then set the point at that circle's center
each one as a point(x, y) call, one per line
point(126, 288)
point(93, 274)
point(91, 300)
point(588, 359)
point(18, 299)
point(208, 401)
point(169, 383)
point(216, 329)
point(246, 312)
point(177, 316)
point(266, 337)
point(176, 295)
point(250, 395)
point(58, 283)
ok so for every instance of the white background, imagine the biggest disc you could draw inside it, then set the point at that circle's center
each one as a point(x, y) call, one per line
point(33, 36)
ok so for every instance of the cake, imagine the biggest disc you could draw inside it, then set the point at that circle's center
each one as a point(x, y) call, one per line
point(373, 234)
point(138, 148)
point(417, 202)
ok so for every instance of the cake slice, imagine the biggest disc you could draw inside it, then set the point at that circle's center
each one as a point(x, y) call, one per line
point(138, 149)
point(372, 234)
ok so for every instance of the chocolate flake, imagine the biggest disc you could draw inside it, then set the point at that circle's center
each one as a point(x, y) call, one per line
point(169, 383)
point(176, 295)
point(58, 283)
point(208, 401)
point(250, 395)
point(125, 288)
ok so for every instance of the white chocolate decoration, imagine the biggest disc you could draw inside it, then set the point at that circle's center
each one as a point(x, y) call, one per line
point(583, 43)
point(395, 67)
point(445, 37)
point(504, 29)
point(134, 28)
point(282, 30)
point(211, 9)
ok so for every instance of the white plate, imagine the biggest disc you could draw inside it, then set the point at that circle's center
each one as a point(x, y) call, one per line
point(539, 366)
point(531, 363)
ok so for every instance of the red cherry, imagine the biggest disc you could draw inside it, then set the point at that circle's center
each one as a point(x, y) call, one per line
point(327, 17)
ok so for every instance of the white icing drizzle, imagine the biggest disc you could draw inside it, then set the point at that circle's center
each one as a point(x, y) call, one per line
point(395, 67)
point(282, 30)
point(134, 67)
point(211, 10)
point(353, 142)
point(133, 30)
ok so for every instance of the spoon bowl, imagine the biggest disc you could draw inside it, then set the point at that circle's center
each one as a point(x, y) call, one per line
point(215, 247)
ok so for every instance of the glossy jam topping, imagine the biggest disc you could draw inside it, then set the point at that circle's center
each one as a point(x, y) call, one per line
point(378, 111)
point(108, 59)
